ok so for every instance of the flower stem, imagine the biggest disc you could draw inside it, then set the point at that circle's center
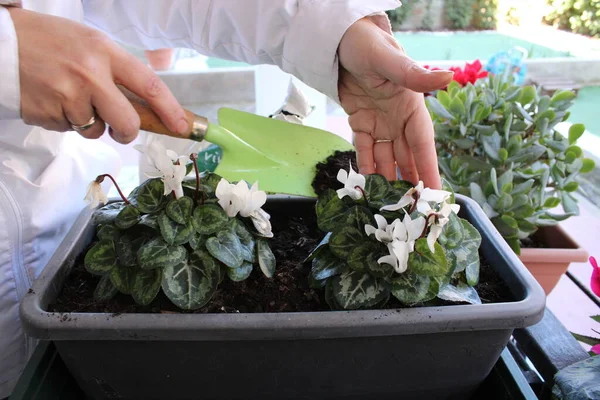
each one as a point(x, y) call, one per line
point(413, 207)
point(194, 158)
point(100, 179)
point(424, 233)
point(364, 194)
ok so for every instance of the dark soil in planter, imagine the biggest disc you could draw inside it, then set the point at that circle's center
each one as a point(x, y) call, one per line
point(295, 236)
point(533, 242)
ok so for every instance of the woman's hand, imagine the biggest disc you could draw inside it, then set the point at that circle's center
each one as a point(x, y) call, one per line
point(380, 88)
point(68, 76)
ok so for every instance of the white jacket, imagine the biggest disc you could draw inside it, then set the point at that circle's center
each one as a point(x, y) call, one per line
point(43, 175)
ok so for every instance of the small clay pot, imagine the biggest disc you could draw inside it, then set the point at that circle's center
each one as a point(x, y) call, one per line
point(160, 59)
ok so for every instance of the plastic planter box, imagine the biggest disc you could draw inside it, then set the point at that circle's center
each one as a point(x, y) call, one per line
point(419, 353)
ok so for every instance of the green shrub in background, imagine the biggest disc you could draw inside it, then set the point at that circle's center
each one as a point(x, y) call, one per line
point(399, 15)
point(496, 143)
point(578, 16)
point(484, 15)
point(459, 13)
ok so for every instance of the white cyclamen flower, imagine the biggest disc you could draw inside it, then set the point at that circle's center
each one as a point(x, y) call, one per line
point(351, 181)
point(384, 231)
point(442, 217)
point(404, 235)
point(166, 165)
point(424, 196)
point(95, 195)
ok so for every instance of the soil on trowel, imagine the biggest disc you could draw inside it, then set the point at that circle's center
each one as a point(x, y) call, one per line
point(295, 236)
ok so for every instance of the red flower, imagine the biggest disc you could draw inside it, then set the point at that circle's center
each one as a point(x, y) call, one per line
point(469, 74)
point(595, 281)
point(596, 349)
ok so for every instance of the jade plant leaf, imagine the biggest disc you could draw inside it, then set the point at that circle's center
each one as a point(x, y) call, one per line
point(101, 258)
point(107, 214)
point(149, 196)
point(158, 254)
point(326, 265)
point(241, 273)
point(411, 289)
point(226, 247)
point(266, 258)
point(363, 258)
point(109, 232)
point(127, 217)
point(105, 290)
point(180, 210)
point(191, 283)
point(197, 240)
point(376, 187)
point(123, 278)
point(330, 211)
point(355, 290)
point(461, 293)
point(146, 286)
point(246, 239)
point(423, 262)
point(209, 218)
point(344, 239)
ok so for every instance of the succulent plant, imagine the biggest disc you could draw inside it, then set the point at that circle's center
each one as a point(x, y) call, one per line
point(497, 143)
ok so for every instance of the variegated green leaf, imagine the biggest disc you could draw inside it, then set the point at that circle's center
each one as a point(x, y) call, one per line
point(363, 258)
point(226, 247)
point(320, 247)
point(209, 218)
point(128, 217)
point(358, 216)
point(180, 210)
point(123, 278)
point(146, 286)
point(376, 187)
point(461, 293)
point(149, 196)
point(158, 254)
point(246, 239)
point(127, 249)
point(355, 290)
point(149, 221)
point(191, 283)
point(105, 290)
point(327, 265)
point(266, 258)
point(197, 241)
point(330, 211)
point(101, 258)
point(423, 262)
point(241, 273)
point(107, 214)
point(109, 232)
point(411, 289)
point(174, 233)
point(344, 239)
point(453, 232)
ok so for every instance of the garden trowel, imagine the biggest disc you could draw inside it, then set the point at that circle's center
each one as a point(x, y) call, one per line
point(280, 155)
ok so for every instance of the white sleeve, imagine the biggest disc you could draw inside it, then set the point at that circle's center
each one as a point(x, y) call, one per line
point(10, 92)
point(299, 36)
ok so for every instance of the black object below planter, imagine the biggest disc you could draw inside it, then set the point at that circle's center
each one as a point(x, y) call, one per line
point(419, 353)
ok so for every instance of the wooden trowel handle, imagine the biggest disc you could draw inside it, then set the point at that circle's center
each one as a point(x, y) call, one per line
point(151, 122)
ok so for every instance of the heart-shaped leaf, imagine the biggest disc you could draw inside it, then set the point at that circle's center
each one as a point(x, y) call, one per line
point(363, 258)
point(209, 218)
point(330, 211)
point(109, 232)
point(227, 248)
point(127, 249)
point(123, 278)
point(423, 262)
point(266, 258)
point(146, 286)
point(101, 258)
point(197, 241)
point(344, 240)
point(180, 210)
point(241, 273)
point(149, 221)
point(320, 247)
point(174, 233)
point(355, 290)
point(128, 217)
point(149, 196)
point(453, 232)
point(327, 265)
point(358, 216)
point(107, 214)
point(105, 290)
point(411, 289)
point(459, 294)
point(190, 284)
point(246, 239)
point(158, 254)
point(376, 187)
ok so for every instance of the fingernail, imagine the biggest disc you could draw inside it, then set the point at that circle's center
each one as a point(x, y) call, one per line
point(115, 135)
point(182, 126)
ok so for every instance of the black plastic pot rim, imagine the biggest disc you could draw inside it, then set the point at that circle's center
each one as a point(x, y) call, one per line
point(526, 311)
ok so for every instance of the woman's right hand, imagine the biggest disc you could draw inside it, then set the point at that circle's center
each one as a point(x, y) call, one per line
point(69, 72)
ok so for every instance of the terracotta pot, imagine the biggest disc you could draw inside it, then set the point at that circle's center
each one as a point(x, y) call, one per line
point(547, 265)
point(160, 59)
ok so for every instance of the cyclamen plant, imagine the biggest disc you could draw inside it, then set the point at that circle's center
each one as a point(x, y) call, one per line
point(392, 239)
point(184, 236)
